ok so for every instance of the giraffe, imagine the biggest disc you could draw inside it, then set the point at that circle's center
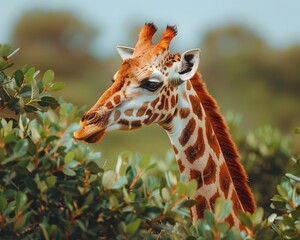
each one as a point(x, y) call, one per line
point(156, 86)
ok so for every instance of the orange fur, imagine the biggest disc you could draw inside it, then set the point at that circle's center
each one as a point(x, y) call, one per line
point(236, 170)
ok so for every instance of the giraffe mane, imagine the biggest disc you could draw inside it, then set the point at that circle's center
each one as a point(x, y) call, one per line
point(228, 148)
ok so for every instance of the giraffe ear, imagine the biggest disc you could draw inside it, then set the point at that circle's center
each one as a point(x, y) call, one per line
point(125, 52)
point(189, 64)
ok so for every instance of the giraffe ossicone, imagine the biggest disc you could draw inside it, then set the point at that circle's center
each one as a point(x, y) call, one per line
point(156, 86)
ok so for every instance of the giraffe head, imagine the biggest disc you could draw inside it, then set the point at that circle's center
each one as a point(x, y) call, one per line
point(144, 90)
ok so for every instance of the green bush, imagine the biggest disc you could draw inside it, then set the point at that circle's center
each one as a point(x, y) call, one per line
point(52, 187)
point(266, 154)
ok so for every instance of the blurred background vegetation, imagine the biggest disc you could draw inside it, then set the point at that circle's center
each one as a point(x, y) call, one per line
point(243, 72)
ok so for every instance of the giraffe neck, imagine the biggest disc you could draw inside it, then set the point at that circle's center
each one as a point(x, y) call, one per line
point(199, 155)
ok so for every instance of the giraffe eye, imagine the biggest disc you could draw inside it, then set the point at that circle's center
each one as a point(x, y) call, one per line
point(151, 86)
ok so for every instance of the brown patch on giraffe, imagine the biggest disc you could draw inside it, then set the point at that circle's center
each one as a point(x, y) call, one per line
point(188, 85)
point(124, 122)
point(148, 112)
point(196, 151)
point(167, 103)
point(136, 123)
point(197, 175)
point(209, 173)
point(184, 96)
point(213, 199)
point(162, 103)
point(128, 112)
point(117, 99)
point(201, 206)
point(117, 115)
point(228, 148)
point(187, 132)
point(211, 138)
point(152, 118)
point(169, 64)
point(175, 149)
point(180, 165)
point(184, 112)
point(142, 110)
point(175, 112)
point(196, 105)
point(230, 220)
point(225, 179)
point(173, 102)
point(109, 105)
point(154, 102)
point(169, 119)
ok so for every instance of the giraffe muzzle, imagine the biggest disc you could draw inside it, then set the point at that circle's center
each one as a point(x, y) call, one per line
point(93, 126)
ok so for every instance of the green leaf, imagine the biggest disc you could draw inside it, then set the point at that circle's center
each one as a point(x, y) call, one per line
point(282, 191)
point(68, 171)
point(21, 148)
point(121, 182)
point(30, 108)
point(25, 91)
point(188, 203)
point(114, 202)
point(258, 215)
point(165, 194)
point(223, 227)
point(48, 78)
point(93, 167)
point(133, 226)
point(191, 188)
point(292, 177)
point(21, 200)
point(219, 207)
point(50, 181)
point(29, 75)
point(69, 156)
point(272, 217)
point(19, 77)
point(48, 101)
point(210, 218)
point(245, 219)
point(108, 179)
point(278, 198)
point(34, 90)
point(57, 86)
point(20, 222)
point(35, 135)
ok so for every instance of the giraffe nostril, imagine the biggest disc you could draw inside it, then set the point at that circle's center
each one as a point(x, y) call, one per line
point(90, 117)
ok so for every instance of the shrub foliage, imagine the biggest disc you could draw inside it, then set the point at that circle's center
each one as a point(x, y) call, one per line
point(52, 187)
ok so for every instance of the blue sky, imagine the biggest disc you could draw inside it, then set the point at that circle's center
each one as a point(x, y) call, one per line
point(277, 21)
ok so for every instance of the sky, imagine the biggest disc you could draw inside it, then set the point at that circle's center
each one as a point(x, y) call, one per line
point(277, 21)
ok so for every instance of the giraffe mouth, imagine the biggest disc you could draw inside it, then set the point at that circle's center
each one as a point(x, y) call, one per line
point(89, 137)
point(95, 137)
